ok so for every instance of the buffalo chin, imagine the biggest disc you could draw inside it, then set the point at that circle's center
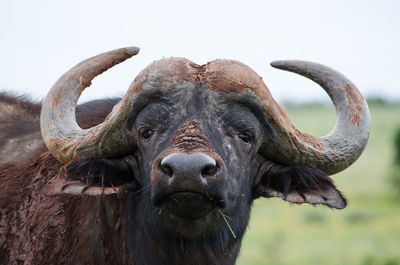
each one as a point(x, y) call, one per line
point(189, 213)
point(188, 205)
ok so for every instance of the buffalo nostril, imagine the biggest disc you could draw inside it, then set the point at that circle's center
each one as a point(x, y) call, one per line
point(167, 170)
point(209, 170)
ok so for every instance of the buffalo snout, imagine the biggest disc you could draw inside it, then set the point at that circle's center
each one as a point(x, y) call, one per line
point(184, 184)
point(187, 168)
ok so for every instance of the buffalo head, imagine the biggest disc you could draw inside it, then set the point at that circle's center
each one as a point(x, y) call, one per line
point(191, 146)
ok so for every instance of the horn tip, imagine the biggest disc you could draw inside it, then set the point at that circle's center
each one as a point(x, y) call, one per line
point(281, 64)
point(131, 50)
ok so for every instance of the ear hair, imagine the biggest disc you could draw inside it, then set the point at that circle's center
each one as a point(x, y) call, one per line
point(298, 184)
point(102, 172)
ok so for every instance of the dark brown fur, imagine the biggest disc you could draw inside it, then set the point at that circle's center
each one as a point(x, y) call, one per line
point(39, 226)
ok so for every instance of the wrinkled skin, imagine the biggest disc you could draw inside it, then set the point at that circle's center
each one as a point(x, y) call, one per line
point(221, 125)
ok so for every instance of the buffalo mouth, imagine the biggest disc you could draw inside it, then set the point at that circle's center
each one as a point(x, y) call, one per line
point(189, 205)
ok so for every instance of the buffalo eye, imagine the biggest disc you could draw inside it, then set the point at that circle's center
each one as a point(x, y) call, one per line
point(147, 134)
point(245, 137)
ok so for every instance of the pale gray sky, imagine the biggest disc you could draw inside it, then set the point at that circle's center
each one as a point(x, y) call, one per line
point(40, 40)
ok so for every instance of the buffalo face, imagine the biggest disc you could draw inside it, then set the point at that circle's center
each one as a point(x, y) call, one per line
point(197, 150)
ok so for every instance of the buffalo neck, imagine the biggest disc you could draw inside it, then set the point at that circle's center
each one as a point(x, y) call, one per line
point(148, 243)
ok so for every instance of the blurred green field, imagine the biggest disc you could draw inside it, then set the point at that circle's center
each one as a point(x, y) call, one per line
point(367, 232)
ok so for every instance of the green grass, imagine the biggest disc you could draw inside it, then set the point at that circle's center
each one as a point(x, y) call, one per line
point(367, 232)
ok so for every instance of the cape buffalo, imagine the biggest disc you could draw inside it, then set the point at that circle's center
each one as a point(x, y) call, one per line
point(168, 173)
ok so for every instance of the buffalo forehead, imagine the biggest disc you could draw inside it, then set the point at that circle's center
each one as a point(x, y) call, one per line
point(199, 91)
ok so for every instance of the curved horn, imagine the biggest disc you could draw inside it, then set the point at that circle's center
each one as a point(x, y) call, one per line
point(345, 143)
point(60, 131)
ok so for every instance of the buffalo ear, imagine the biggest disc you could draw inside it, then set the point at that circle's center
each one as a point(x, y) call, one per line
point(299, 184)
point(96, 176)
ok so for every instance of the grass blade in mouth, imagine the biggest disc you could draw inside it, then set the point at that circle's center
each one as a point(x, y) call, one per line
point(227, 223)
